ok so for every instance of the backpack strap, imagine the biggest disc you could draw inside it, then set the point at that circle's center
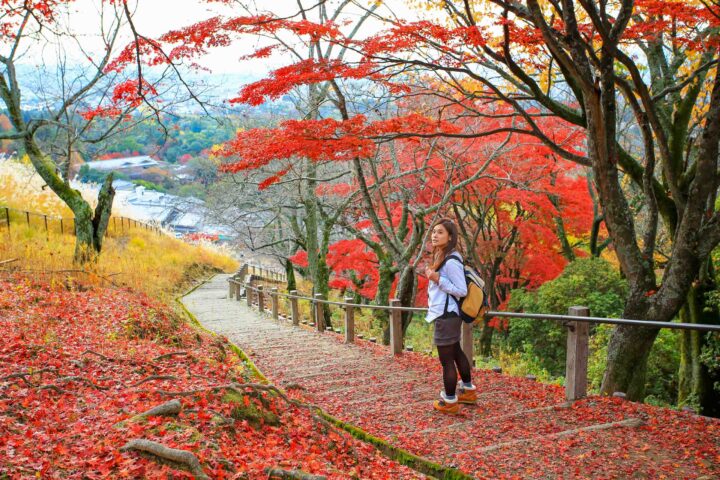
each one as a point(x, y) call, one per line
point(449, 257)
point(447, 295)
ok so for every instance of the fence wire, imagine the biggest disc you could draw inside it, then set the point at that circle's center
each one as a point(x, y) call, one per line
point(54, 225)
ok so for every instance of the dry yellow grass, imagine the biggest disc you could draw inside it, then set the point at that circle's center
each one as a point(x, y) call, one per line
point(143, 260)
point(21, 188)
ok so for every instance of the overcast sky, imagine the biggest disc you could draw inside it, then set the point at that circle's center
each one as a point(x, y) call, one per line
point(154, 17)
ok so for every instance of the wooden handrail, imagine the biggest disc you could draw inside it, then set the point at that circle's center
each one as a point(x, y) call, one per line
point(534, 316)
point(577, 322)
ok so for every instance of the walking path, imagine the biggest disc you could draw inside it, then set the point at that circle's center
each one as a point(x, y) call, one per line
point(518, 428)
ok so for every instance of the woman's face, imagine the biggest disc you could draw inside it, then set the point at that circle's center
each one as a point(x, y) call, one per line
point(439, 236)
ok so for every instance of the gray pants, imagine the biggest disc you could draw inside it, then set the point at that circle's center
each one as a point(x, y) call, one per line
point(447, 330)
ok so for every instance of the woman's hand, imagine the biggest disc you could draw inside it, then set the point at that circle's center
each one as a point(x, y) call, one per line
point(432, 275)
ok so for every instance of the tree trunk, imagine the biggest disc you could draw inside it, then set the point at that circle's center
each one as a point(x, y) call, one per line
point(627, 361)
point(386, 276)
point(560, 231)
point(311, 232)
point(90, 228)
point(495, 298)
point(322, 286)
point(103, 211)
point(695, 386)
point(290, 273)
point(629, 346)
point(486, 339)
point(406, 289)
point(628, 352)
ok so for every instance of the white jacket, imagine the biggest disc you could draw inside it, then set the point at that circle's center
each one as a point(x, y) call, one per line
point(451, 282)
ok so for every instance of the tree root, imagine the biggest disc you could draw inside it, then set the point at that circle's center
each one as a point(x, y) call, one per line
point(82, 380)
point(154, 377)
point(279, 473)
point(166, 409)
point(168, 355)
point(55, 388)
point(92, 352)
point(24, 375)
point(172, 407)
point(178, 458)
point(238, 387)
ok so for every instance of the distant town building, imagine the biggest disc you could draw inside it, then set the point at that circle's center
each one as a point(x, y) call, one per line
point(139, 167)
point(182, 215)
point(120, 164)
point(123, 186)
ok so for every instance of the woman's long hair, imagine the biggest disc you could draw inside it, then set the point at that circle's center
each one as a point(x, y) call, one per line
point(439, 253)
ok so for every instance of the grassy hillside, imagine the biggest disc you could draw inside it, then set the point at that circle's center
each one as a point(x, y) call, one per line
point(158, 265)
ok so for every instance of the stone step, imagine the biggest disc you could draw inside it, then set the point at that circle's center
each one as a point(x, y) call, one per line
point(500, 431)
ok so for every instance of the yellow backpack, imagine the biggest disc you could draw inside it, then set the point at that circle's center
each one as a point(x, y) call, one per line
point(474, 304)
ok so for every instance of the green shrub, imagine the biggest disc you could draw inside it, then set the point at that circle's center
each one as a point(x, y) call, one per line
point(590, 282)
point(661, 381)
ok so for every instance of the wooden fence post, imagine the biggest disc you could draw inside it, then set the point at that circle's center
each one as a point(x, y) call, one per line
point(7, 212)
point(274, 299)
point(577, 355)
point(349, 321)
point(294, 308)
point(47, 231)
point(249, 291)
point(62, 230)
point(396, 333)
point(261, 299)
point(231, 288)
point(466, 341)
point(319, 313)
point(27, 215)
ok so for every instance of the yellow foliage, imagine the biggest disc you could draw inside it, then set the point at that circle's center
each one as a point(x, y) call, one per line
point(22, 188)
point(143, 260)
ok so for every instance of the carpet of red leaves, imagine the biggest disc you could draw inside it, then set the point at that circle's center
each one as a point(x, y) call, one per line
point(76, 364)
point(668, 445)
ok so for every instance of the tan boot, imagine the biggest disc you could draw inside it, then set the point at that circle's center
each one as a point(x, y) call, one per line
point(446, 407)
point(467, 396)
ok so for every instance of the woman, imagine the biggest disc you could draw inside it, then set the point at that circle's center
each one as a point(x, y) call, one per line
point(447, 283)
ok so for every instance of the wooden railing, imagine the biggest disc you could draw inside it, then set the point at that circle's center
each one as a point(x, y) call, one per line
point(62, 226)
point(254, 289)
point(263, 273)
